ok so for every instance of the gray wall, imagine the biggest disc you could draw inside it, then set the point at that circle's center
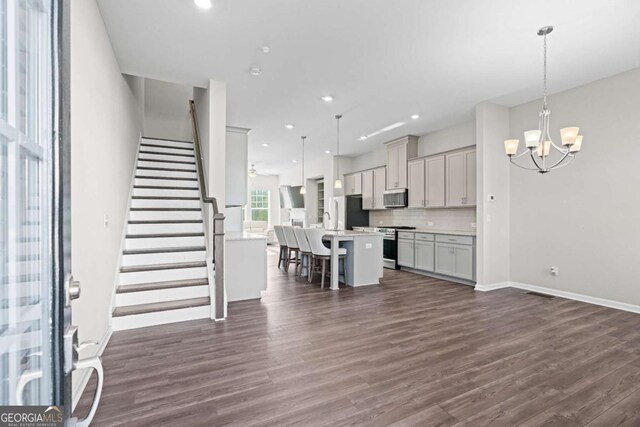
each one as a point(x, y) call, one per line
point(583, 218)
point(166, 110)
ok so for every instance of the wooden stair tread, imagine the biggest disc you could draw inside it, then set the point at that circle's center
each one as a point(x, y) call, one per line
point(165, 169)
point(169, 178)
point(160, 306)
point(167, 221)
point(152, 138)
point(156, 267)
point(162, 187)
point(166, 161)
point(165, 198)
point(162, 235)
point(154, 286)
point(166, 209)
point(159, 153)
point(163, 250)
point(165, 146)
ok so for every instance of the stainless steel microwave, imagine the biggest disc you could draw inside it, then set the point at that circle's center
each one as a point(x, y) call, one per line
point(395, 198)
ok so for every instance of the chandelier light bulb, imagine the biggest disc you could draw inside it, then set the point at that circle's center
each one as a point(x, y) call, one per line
point(568, 135)
point(511, 146)
point(532, 138)
point(337, 184)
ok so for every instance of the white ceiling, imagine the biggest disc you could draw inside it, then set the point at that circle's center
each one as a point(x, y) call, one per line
point(381, 60)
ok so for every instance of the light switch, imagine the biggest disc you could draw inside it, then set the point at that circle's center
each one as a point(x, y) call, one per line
point(368, 245)
point(106, 221)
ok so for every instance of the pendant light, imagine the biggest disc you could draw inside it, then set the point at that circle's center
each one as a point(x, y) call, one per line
point(253, 172)
point(303, 190)
point(538, 142)
point(338, 183)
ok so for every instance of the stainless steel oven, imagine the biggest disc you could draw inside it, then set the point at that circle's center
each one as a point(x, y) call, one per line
point(390, 245)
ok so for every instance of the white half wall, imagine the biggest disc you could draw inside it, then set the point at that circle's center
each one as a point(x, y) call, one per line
point(105, 128)
point(582, 218)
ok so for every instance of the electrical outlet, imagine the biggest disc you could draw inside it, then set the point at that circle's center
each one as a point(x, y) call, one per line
point(473, 225)
point(430, 223)
point(379, 222)
point(106, 221)
point(554, 271)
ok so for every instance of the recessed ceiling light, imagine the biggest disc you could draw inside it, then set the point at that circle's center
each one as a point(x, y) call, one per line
point(327, 98)
point(266, 49)
point(294, 161)
point(362, 138)
point(327, 151)
point(289, 126)
point(203, 4)
point(255, 70)
point(415, 116)
point(265, 145)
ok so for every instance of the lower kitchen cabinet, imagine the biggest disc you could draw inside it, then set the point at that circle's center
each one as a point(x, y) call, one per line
point(424, 255)
point(454, 260)
point(405, 253)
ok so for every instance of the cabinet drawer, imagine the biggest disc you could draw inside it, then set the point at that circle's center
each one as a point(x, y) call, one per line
point(425, 237)
point(405, 235)
point(448, 238)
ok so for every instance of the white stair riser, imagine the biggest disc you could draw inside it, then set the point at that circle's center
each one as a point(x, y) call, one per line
point(187, 157)
point(167, 174)
point(161, 295)
point(163, 215)
point(156, 192)
point(167, 150)
point(169, 182)
point(163, 242)
point(167, 143)
point(163, 275)
point(164, 228)
point(151, 164)
point(28, 248)
point(160, 203)
point(160, 318)
point(162, 258)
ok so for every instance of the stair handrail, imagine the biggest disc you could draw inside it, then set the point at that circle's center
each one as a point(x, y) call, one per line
point(218, 220)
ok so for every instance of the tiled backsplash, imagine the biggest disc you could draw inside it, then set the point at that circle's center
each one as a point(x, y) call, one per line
point(442, 219)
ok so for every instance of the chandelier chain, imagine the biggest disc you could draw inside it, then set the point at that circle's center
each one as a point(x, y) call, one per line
point(545, 71)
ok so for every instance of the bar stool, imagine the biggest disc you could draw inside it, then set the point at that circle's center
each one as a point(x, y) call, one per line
point(282, 258)
point(292, 246)
point(305, 249)
point(321, 253)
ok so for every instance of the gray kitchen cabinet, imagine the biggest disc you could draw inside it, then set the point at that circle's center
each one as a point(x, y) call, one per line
point(367, 190)
point(373, 187)
point(461, 178)
point(416, 180)
point(426, 178)
point(424, 255)
point(405, 253)
point(353, 184)
point(379, 178)
point(398, 152)
point(454, 260)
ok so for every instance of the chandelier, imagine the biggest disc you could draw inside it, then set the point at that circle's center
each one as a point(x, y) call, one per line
point(538, 143)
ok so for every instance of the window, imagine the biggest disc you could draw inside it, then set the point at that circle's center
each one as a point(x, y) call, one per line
point(259, 205)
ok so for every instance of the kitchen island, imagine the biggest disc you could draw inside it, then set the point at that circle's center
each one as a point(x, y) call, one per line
point(364, 257)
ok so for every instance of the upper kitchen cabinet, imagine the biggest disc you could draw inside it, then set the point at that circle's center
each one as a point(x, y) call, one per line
point(398, 152)
point(461, 178)
point(353, 184)
point(426, 178)
point(373, 187)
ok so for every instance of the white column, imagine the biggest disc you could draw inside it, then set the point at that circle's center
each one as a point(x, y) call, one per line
point(217, 142)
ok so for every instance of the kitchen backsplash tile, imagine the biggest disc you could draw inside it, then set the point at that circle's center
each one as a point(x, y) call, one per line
point(441, 219)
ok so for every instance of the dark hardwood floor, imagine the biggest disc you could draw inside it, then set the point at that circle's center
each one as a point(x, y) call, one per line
point(414, 351)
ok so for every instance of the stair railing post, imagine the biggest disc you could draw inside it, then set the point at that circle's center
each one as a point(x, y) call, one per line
point(218, 259)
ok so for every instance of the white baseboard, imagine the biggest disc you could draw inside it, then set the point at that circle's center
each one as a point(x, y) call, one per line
point(82, 379)
point(563, 294)
point(492, 286)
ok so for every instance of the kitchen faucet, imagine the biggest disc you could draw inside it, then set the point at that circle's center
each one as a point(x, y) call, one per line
point(328, 215)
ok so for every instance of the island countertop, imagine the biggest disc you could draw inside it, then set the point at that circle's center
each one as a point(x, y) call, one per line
point(243, 235)
point(450, 232)
point(351, 233)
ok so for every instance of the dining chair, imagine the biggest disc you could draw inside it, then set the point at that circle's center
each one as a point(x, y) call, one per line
point(292, 246)
point(282, 258)
point(321, 253)
point(305, 249)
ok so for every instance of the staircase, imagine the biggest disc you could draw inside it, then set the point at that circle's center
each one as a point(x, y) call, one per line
point(163, 275)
